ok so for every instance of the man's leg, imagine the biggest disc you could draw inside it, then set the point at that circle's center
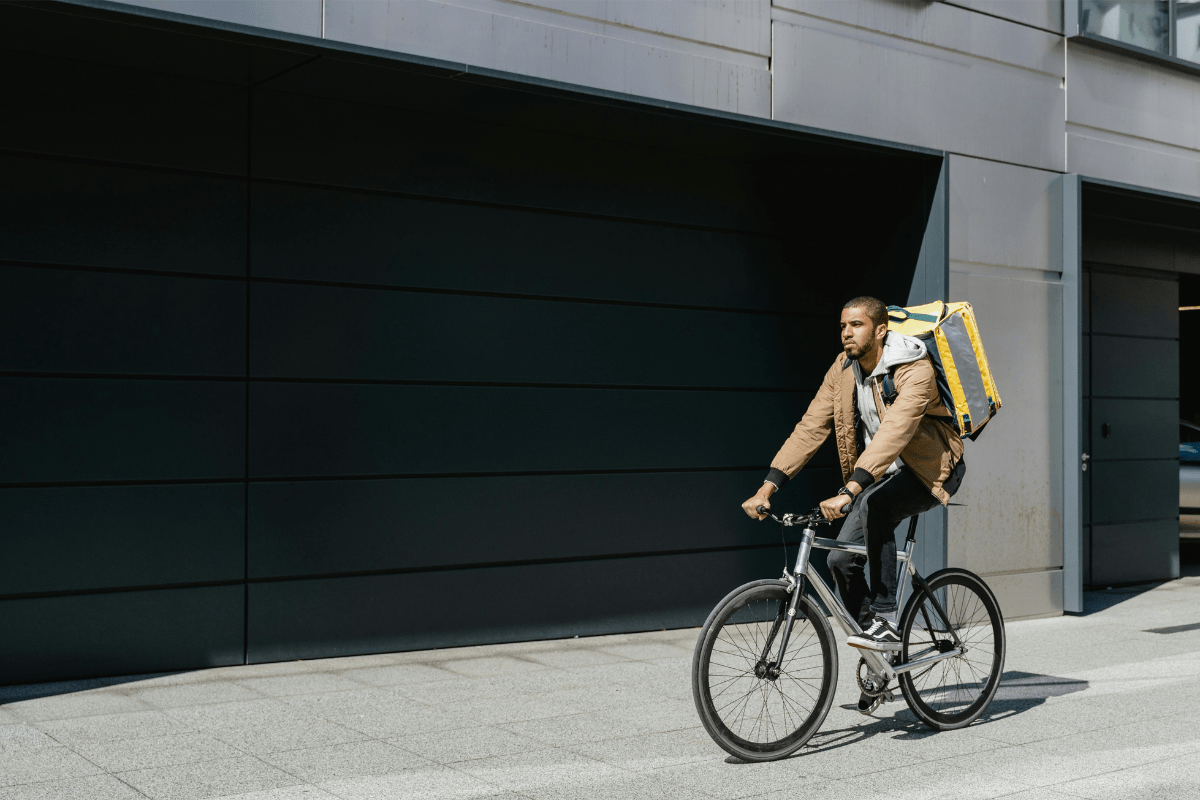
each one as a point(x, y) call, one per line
point(901, 497)
point(848, 568)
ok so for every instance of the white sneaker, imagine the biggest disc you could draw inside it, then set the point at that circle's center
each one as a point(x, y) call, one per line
point(881, 635)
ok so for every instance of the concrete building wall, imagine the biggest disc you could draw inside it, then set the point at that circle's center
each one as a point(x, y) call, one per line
point(1003, 260)
point(1132, 121)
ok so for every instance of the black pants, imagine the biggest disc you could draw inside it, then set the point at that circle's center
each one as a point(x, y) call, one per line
point(877, 511)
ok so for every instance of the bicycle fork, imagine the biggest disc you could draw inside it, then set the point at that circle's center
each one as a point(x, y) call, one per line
point(785, 620)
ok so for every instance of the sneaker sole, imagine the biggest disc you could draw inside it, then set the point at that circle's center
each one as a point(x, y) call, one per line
point(879, 648)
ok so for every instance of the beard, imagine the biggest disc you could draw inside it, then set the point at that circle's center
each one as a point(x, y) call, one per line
point(853, 351)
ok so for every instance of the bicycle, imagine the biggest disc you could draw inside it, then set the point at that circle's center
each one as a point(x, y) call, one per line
point(761, 701)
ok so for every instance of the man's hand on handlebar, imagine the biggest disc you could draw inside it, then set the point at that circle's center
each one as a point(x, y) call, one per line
point(839, 505)
point(761, 498)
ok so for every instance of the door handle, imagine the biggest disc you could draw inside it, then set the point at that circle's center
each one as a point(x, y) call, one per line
point(1106, 430)
point(1085, 458)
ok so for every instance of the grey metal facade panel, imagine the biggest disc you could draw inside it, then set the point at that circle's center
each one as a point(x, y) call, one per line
point(1135, 552)
point(330, 332)
point(502, 41)
point(98, 322)
point(939, 30)
point(368, 429)
point(1045, 14)
point(320, 618)
point(125, 114)
point(743, 25)
point(1003, 215)
point(63, 212)
point(104, 537)
point(1126, 491)
point(1151, 367)
point(1133, 305)
point(1136, 105)
point(71, 430)
point(292, 16)
point(299, 528)
point(1138, 429)
point(910, 95)
point(120, 633)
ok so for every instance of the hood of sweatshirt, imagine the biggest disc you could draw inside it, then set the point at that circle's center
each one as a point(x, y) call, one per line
point(899, 349)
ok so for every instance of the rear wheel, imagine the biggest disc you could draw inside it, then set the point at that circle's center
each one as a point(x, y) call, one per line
point(954, 692)
point(754, 708)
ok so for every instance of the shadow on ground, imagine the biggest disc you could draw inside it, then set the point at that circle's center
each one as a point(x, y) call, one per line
point(1019, 692)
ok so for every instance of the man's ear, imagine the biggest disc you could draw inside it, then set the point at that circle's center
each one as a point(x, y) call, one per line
point(879, 335)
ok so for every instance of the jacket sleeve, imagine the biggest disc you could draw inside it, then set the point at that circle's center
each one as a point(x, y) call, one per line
point(810, 433)
point(916, 384)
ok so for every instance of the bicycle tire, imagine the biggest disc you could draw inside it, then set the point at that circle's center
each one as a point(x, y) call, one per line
point(953, 693)
point(784, 712)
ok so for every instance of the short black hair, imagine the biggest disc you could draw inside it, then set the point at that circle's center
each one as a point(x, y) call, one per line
point(874, 307)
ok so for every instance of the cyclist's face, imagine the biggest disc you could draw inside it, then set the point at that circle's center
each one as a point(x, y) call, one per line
point(859, 335)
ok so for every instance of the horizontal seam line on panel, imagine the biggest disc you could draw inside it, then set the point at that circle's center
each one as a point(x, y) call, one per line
point(1031, 274)
point(1034, 571)
point(518, 296)
point(394, 288)
point(930, 45)
point(623, 26)
point(1059, 34)
point(1132, 460)
point(9, 262)
point(1130, 397)
point(239, 479)
point(1123, 135)
point(513, 474)
point(1142, 223)
point(1023, 165)
point(1132, 336)
point(135, 376)
point(1094, 524)
point(233, 177)
point(561, 212)
point(1096, 266)
point(119, 589)
point(517, 563)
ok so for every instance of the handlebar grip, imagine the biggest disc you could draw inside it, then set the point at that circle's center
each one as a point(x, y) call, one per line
point(763, 510)
point(846, 508)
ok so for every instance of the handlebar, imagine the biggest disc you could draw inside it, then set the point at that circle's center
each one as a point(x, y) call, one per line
point(814, 517)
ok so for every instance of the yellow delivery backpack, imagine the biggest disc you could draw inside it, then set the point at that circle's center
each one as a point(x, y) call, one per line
point(956, 350)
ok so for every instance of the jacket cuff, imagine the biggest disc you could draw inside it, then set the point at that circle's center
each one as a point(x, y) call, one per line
point(861, 477)
point(777, 478)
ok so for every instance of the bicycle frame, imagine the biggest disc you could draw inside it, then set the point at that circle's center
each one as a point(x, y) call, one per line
point(877, 661)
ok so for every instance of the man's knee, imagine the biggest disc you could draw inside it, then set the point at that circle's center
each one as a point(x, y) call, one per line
point(840, 561)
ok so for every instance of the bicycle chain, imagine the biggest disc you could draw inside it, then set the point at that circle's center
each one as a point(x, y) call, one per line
point(858, 676)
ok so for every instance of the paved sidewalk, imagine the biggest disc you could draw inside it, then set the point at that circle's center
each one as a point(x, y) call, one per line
point(1093, 707)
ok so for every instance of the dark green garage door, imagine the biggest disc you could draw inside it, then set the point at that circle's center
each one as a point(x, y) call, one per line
point(306, 356)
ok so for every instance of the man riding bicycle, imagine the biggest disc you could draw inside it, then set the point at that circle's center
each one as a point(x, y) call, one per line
point(899, 455)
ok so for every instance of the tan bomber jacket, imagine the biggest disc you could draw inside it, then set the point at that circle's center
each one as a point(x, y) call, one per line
point(914, 427)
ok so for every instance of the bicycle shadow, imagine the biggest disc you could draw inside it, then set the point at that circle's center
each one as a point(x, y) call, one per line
point(1018, 692)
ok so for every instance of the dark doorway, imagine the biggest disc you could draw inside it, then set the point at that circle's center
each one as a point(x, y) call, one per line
point(312, 353)
point(1138, 252)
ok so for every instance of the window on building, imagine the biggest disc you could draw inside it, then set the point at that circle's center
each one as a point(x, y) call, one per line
point(1141, 23)
point(1187, 30)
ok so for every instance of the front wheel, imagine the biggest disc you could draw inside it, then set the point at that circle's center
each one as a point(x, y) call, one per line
point(756, 705)
point(954, 692)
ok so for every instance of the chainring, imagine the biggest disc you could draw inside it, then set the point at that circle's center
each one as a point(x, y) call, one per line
point(867, 685)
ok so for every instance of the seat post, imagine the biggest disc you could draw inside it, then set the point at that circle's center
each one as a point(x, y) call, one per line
point(912, 528)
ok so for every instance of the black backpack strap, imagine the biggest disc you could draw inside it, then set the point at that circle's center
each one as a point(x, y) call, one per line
point(888, 388)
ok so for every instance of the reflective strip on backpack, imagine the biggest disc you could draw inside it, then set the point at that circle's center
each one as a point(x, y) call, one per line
point(966, 370)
